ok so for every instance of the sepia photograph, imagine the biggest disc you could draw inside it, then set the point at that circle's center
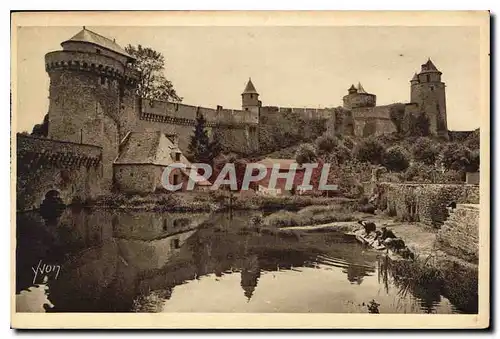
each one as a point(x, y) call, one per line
point(222, 170)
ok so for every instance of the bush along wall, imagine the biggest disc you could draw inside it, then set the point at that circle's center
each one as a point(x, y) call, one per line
point(424, 202)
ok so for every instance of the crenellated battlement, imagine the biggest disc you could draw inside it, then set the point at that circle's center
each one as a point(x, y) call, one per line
point(181, 114)
point(33, 152)
point(99, 64)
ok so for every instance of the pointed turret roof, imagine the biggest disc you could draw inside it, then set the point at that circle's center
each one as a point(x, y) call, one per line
point(250, 88)
point(360, 88)
point(429, 66)
point(86, 35)
point(352, 88)
point(415, 77)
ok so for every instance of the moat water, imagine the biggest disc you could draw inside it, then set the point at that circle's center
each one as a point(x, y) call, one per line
point(123, 261)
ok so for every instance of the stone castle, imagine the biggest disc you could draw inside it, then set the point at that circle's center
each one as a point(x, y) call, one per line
point(94, 108)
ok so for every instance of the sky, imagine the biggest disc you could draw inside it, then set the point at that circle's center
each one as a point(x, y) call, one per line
point(289, 66)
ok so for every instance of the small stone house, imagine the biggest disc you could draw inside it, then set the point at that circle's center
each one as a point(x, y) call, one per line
point(142, 160)
point(284, 167)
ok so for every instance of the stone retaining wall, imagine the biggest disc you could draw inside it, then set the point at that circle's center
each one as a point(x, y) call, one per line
point(461, 232)
point(424, 202)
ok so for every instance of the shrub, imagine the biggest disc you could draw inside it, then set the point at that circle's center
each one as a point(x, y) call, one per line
point(326, 143)
point(306, 153)
point(455, 156)
point(348, 142)
point(420, 172)
point(369, 150)
point(396, 159)
point(425, 150)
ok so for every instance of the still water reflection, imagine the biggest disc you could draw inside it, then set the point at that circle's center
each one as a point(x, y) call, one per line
point(119, 261)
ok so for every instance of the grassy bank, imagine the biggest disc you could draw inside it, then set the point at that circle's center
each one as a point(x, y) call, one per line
point(311, 215)
point(214, 201)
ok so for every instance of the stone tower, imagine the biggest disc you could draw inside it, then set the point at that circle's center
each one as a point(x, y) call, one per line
point(428, 91)
point(358, 97)
point(88, 81)
point(250, 98)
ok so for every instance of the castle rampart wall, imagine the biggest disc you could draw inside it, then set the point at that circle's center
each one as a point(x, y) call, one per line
point(44, 164)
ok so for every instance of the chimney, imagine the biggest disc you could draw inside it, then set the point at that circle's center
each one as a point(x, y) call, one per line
point(174, 138)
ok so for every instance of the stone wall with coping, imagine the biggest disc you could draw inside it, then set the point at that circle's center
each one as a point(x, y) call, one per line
point(460, 233)
point(423, 202)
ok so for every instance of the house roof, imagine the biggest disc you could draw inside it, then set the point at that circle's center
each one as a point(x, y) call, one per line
point(284, 163)
point(250, 88)
point(86, 35)
point(153, 148)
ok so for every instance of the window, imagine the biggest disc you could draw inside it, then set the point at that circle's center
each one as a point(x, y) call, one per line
point(176, 179)
point(178, 156)
point(131, 174)
point(103, 80)
point(176, 243)
point(165, 224)
point(427, 77)
point(98, 51)
point(246, 108)
point(251, 96)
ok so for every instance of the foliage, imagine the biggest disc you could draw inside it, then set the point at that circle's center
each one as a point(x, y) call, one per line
point(473, 161)
point(200, 148)
point(152, 84)
point(326, 144)
point(419, 172)
point(455, 156)
point(396, 159)
point(397, 114)
point(41, 130)
point(348, 142)
point(285, 129)
point(425, 150)
point(419, 125)
point(369, 150)
point(312, 215)
point(306, 153)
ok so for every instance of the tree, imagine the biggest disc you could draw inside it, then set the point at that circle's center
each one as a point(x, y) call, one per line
point(455, 156)
point(306, 153)
point(152, 83)
point(419, 125)
point(397, 114)
point(41, 130)
point(425, 150)
point(326, 144)
point(396, 159)
point(369, 150)
point(199, 146)
point(473, 161)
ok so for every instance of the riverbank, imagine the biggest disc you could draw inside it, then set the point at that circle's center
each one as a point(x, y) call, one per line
point(434, 265)
point(214, 202)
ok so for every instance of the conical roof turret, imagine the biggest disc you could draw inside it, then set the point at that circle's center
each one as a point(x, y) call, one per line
point(250, 88)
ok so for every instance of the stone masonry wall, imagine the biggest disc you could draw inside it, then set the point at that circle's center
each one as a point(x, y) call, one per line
point(461, 231)
point(75, 170)
point(424, 202)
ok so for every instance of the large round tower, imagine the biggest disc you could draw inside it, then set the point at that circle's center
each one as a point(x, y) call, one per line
point(88, 80)
point(428, 91)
